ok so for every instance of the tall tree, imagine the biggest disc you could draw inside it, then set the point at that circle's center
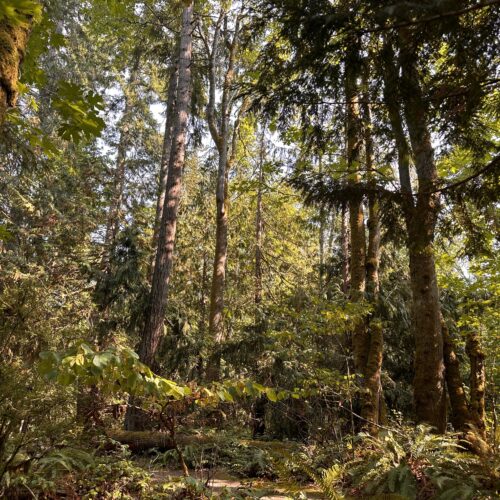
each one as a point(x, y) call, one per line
point(222, 52)
point(429, 384)
point(154, 323)
point(373, 404)
point(165, 159)
point(153, 329)
point(354, 141)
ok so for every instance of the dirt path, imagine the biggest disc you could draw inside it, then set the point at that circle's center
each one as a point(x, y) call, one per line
point(222, 481)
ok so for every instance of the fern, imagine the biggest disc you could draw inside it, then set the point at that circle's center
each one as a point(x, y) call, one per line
point(408, 464)
point(61, 461)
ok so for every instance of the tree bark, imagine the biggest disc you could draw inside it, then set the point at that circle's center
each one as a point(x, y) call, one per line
point(259, 232)
point(429, 383)
point(477, 383)
point(460, 414)
point(220, 135)
point(374, 397)
point(165, 158)
point(154, 324)
point(260, 406)
point(356, 214)
point(344, 248)
point(13, 43)
point(153, 329)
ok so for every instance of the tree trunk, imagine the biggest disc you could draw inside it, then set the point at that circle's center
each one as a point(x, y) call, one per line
point(322, 215)
point(259, 232)
point(165, 158)
point(460, 414)
point(373, 368)
point(154, 324)
point(344, 248)
point(220, 137)
point(356, 214)
point(429, 383)
point(477, 383)
point(166, 239)
point(467, 416)
point(260, 406)
point(13, 43)
point(200, 367)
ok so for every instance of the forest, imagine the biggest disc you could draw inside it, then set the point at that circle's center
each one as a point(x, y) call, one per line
point(249, 249)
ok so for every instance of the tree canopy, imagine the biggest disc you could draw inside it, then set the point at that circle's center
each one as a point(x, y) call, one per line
point(249, 237)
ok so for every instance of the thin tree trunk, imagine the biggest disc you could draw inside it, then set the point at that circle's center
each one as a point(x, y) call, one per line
point(259, 232)
point(220, 137)
point(13, 43)
point(89, 400)
point(115, 214)
point(165, 158)
point(260, 406)
point(203, 314)
point(356, 214)
point(344, 247)
point(322, 212)
point(374, 397)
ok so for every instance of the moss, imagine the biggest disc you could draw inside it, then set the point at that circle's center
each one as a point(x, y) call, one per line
point(13, 41)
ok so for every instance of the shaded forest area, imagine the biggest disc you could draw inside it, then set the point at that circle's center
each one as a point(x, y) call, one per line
point(249, 249)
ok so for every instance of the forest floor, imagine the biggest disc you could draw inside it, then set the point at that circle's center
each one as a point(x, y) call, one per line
point(223, 482)
point(238, 467)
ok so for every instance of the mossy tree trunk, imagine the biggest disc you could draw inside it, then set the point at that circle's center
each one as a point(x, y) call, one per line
point(13, 43)
point(477, 383)
point(429, 381)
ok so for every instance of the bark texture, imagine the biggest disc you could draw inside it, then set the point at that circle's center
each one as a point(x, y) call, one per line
point(460, 414)
point(344, 248)
point(373, 401)
point(154, 323)
point(477, 383)
point(13, 42)
point(166, 240)
point(354, 142)
point(165, 158)
point(429, 383)
point(221, 135)
point(467, 416)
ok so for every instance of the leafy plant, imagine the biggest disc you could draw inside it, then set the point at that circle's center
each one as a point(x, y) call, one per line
point(411, 463)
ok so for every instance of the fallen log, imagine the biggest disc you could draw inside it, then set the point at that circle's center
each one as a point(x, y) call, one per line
point(139, 441)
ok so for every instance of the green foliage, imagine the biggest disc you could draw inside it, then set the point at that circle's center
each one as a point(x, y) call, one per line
point(114, 370)
point(80, 473)
point(79, 111)
point(20, 12)
point(411, 463)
